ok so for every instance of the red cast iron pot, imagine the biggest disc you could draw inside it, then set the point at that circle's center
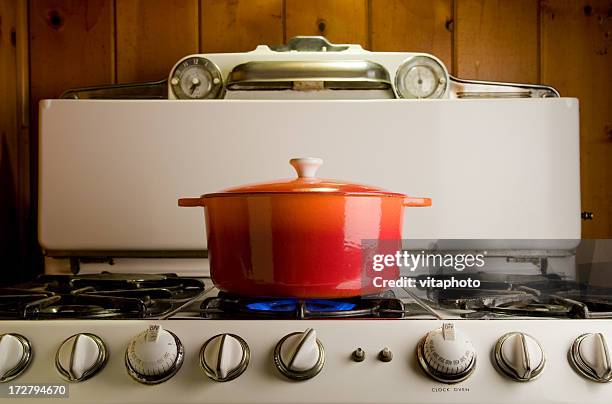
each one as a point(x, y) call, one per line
point(304, 238)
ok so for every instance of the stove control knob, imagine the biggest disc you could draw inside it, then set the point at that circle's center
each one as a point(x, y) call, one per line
point(300, 355)
point(15, 356)
point(590, 356)
point(224, 357)
point(519, 356)
point(154, 355)
point(446, 355)
point(80, 357)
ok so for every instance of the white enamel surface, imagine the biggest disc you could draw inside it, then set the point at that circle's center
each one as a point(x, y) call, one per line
point(341, 380)
point(78, 355)
point(453, 346)
point(306, 167)
point(594, 353)
point(11, 353)
point(300, 352)
point(151, 356)
point(494, 168)
point(523, 358)
point(229, 349)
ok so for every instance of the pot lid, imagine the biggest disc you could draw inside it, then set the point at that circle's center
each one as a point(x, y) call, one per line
point(307, 182)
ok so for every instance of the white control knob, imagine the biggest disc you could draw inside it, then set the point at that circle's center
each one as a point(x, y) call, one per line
point(15, 356)
point(300, 355)
point(80, 357)
point(590, 356)
point(447, 355)
point(224, 357)
point(154, 355)
point(519, 356)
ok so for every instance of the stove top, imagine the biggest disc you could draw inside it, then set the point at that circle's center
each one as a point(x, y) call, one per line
point(168, 296)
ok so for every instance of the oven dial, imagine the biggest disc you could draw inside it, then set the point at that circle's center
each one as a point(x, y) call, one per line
point(590, 356)
point(80, 357)
point(446, 354)
point(196, 78)
point(15, 356)
point(154, 355)
point(224, 357)
point(519, 356)
point(299, 355)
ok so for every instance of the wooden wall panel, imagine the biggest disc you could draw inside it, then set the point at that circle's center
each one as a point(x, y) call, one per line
point(412, 25)
point(577, 60)
point(9, 142)
point(152, 35)
point(240, 25)
point(341, 21)
point(496, 40)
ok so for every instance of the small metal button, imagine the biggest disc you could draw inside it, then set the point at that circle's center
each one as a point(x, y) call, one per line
point(385, 355)
point(358, 355)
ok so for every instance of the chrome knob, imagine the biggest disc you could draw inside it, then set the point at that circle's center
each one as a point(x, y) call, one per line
point(15, 356)
point(519, 356)
point(446, 354)
point(590, 356)
point(80, 357)
point(299, 355)
point(154, 356)
point(224, 357)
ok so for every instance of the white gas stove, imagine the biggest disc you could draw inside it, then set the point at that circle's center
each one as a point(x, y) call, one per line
point(109, 323)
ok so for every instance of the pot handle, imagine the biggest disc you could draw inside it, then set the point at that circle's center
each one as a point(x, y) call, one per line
point(416, 202)
point(190, 202)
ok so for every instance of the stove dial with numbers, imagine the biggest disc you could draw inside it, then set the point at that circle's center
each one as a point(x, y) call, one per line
point(446, 354)
point(80, 357)
point(196, 78)
point(15, 356)
point(421, 77)
point(154, 355)
point(519, 356)
point(300, 355)
point(590, 356)
point(224, 357)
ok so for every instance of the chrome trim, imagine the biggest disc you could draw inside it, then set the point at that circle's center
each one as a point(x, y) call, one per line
point(436, 375)
point(581, 367)
point(134, 91)
point(244, 362)
point(23, 364)
point(305, 375)
point(144, 379)
point(309, 44)
point(99, 365)
point(500, 364)
point(292, 74)
point(469, 89)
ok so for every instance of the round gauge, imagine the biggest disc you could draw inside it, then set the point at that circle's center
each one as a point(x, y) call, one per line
point(196, 78)
point(421, 77)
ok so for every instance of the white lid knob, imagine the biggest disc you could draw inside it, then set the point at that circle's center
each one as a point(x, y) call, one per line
point(306, 167)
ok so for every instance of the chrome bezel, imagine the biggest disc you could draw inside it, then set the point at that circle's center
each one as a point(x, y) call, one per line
point(213, 70)
point(434, 65)
point(305, 375)
point(505, 369)
point(579, 365)
point(433, 373)
point(26, 358)
point(244, 361)
point(144, 379)
point(100, 361)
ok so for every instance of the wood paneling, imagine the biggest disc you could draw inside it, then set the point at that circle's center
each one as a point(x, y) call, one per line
point(496, 40)
point(240, 25)
point(576, 49)
point(341, 21)
point(152, 35)
point(415, 25)
point(9, 142)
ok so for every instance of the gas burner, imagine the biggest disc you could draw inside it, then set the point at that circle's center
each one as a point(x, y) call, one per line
point(99, 296)
point(229, 306)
